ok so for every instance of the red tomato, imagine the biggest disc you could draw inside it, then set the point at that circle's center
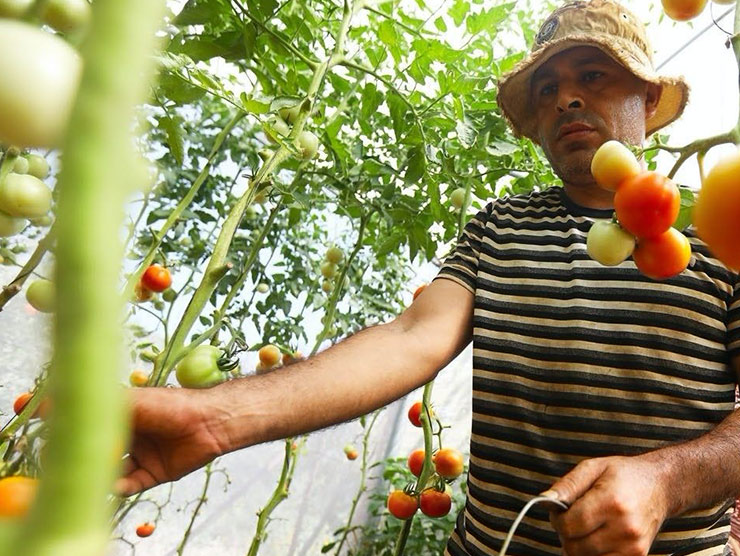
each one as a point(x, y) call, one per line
point(145, 529)
point(647, 204)
point(448, 463)
point(415, 413)
point(156, 278)
point(416, 461)
point(21, 401)
point(663, 256)
point(402, 505)
point(435, 503)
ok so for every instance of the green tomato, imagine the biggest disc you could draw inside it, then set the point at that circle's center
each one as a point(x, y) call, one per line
point(10, 226)
point(24, 195)
point(328, 269)
point(41, 294)
point(20, 166)
point(263, 288)
point(66, 16)
point(40, 76)
point(309, 144)
point(199, 368)
point(42, 221)
point(457, 197)
point(334, 254)
point(326, 286)
point(608, 243)
point(14, 8)
point(37, 166)
point(169, 295)
point(290, 114)
point(279, 128)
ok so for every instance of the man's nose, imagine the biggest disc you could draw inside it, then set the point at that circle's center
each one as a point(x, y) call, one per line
point(569, 98)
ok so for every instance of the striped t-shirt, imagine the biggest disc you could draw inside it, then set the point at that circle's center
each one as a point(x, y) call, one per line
point(575, 360)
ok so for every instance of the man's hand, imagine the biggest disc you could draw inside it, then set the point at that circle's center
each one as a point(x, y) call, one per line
point(617, 505)
point(172, 434)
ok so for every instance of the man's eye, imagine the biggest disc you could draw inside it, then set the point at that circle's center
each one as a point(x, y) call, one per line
point(547, 90)
point(592, 75)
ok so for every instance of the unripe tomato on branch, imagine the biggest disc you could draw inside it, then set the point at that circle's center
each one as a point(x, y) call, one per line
point(608, 243)
point(199, 368)
point(612, 164)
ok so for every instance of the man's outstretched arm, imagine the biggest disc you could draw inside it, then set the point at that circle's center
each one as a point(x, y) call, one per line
point(176, 430)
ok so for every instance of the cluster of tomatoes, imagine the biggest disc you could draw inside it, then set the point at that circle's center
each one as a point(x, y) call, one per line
point(434, 497)
point(646, 207)
point(330, 267)
point(279, 126)
point(683, 10)
point(155, 279)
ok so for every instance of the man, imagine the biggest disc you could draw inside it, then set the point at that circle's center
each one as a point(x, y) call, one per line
point(609, 390)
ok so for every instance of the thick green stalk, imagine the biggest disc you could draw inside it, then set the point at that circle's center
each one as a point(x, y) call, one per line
point(71, 514)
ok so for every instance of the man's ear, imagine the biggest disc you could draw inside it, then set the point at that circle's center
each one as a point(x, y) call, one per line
point(651, 99)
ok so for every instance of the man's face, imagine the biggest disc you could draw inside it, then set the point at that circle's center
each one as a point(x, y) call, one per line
point(582, 98)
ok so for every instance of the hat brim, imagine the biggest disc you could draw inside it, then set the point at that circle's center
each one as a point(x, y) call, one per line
point(514, 87)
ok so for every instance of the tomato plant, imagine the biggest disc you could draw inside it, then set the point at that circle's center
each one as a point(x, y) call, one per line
point(156, 278)
point(717, 210)
point(41, 295)
point(435, 503)
point(402, 505)
point(17, 493)
point(663, 256)
point(199, 368)
point(612, 164)
point(138, 378)
point(647, 204)
point(29, 115)
point(448, 463)
point(683, 10)
point(608, 243)
point(67, 16)
point(416, 461)
point(269, 355)
point(145, 529)
point(24, 196)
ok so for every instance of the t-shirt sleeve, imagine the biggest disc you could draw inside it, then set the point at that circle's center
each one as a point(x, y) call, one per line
point(461, 265)
point(733, 322)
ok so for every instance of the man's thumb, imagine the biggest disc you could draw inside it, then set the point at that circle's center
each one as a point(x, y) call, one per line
point(577, 482)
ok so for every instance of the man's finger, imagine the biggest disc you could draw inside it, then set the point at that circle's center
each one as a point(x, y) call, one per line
point(578, 481)
point(134, 482)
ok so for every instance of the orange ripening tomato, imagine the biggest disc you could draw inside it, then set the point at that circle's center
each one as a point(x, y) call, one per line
point(269, 355)
point(435, 503)
point(612, 164)
point(647, 204)
point(138, 378)
point(402, 505)
point(21, 401)
point(418, 290)
point(663, 256)
point(145, 529)
point(16, 495)
point(717, 211)
point(683, 10)
point(156, 278)
point(416, 462)
point(448, 463)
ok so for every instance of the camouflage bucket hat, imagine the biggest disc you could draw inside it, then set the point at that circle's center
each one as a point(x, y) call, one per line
point(604, 24)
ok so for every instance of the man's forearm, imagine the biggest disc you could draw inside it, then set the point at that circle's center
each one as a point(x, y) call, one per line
point(360, 374)
point(703, 471)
